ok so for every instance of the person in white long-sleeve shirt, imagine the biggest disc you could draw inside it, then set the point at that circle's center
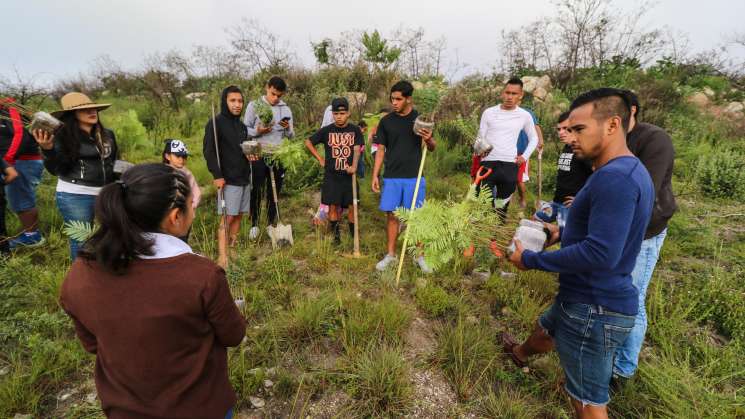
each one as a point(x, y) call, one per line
point(500, 126)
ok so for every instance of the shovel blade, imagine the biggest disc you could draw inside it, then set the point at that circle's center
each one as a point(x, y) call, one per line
point(281, 235)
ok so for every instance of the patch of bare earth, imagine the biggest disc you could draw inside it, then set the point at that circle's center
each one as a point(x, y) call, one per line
point(433, 397)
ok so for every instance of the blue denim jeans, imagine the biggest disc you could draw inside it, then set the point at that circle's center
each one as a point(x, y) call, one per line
point(586, 338)
point(627, 356)
point(21, 192)
point(76, 207)
point(557, 212)
point(229, 415)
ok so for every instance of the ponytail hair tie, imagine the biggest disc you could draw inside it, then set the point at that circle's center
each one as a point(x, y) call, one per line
point(122, 185)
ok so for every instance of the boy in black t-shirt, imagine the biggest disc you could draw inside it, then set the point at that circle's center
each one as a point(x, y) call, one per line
point(341, 142)
point(571, 175)
point(400, 149)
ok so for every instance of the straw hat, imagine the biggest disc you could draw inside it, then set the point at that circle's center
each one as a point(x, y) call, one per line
point(74, 101)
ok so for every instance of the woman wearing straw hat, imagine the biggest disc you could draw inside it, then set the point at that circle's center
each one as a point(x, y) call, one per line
point(82, 155)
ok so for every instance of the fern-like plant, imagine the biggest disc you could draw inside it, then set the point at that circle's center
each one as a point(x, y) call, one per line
point(291, 154)
point(264, 112)
point(446, 228)
point(78, 230)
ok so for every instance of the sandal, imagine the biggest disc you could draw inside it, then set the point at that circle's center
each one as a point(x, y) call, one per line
point(508, 344)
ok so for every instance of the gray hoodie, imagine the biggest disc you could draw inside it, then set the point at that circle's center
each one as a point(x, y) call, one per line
point(274, 137)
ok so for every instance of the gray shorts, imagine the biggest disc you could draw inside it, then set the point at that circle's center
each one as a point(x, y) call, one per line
point(237, 199)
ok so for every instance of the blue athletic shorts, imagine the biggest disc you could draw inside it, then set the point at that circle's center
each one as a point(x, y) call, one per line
point(399, 192)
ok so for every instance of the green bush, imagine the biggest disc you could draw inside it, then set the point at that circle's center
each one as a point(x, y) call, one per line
point(720, 175)
point(131, 135)
point(434, 300)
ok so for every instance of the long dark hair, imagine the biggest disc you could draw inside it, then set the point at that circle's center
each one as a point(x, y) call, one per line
point(71, 135)
point(130, 207)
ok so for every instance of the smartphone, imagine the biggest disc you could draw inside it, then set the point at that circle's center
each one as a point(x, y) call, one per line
point(286, 119)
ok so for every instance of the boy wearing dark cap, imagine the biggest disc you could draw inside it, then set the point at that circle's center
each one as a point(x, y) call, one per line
point(341, 142)
point(175, 154)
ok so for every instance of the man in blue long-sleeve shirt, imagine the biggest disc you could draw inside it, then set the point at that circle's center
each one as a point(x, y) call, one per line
point(595, 308)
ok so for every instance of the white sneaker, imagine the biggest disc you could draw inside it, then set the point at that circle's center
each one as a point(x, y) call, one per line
point(423, 265)
point(383, 264)
point(253, 233)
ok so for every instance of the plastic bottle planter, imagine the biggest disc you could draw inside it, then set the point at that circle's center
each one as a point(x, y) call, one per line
point(45, 122)
point(421, 123)
point(251, 148)
point(481, 147)
point(531, 236)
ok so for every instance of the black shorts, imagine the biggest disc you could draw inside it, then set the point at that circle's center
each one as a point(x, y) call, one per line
point(337, 190)
point(503, 178)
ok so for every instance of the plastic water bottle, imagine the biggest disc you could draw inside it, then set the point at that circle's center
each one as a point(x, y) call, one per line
point(531, 236)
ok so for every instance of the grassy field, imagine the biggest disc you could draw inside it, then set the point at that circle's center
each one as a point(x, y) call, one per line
point(328, 336)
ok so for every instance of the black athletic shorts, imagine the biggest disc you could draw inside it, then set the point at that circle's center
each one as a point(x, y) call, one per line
point(337, 190)
point(503, 178)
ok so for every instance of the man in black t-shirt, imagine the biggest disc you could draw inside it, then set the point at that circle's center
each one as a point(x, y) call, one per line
point(571, 175)
point(341, 142)
point(400, 148)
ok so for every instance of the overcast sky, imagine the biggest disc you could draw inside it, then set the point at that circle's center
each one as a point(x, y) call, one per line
point(52, 39)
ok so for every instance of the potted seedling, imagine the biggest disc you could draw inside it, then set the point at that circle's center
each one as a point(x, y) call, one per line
point(264, 112)
point(426, 100)
point(39, 120)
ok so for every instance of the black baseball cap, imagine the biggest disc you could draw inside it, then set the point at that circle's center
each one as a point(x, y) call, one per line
point(339, 104)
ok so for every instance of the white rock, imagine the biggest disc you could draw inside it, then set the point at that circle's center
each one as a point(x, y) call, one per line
point(734, 107)
point(91, 397)
point(257, 402)
point(540, 93)
point(195, 95)
point(709, 92)
point(4, 370)
point(64, 395)
point(529, 83)
point(699, 99)
point(268, 383)
point(544, 82)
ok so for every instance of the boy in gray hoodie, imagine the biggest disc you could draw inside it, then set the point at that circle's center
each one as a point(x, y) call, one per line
point(272, 135)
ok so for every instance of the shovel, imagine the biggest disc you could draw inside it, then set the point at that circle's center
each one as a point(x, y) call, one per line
point(281, 235)
point(356, 217)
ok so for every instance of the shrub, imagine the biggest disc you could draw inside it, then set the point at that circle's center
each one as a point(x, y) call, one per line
point(434, 300)
point(131, 136)
point(720, 175)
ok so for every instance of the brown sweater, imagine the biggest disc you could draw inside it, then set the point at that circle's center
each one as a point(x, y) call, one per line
point(159, 333)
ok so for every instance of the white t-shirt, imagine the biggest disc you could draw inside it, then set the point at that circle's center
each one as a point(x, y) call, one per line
point(69, 187)
point(501, 128)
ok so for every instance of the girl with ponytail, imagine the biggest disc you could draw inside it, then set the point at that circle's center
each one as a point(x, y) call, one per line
point(157, 316)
